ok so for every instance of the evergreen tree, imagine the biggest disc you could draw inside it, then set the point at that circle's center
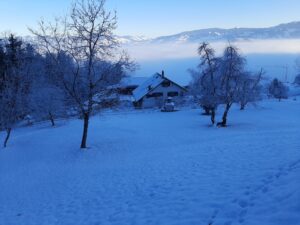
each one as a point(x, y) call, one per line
point(14, 84)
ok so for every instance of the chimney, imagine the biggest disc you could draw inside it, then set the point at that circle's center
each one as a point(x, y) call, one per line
point(163, 74)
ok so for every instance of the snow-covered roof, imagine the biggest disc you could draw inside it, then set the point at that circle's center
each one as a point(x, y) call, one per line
point(132, 81)
point(147, 86)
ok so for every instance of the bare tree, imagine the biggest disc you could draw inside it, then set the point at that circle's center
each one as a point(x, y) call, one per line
point(223, 80)
point(250, 88)
point(232, 70)
point(205, 80)
point(86, 36)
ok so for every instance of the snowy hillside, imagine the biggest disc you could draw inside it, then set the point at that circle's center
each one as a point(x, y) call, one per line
point(282, 31)
point(131, 39)
point(151, 168)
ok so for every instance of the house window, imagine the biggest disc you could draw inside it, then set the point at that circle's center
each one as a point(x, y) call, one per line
point(173, 94)
point(166, 83)
point(155, 95)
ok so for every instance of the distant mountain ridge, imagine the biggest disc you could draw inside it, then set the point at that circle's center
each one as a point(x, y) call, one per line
point(282, 31)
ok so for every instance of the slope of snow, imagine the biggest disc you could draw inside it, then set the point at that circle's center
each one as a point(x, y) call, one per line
point(150, 84)
point(152, 168)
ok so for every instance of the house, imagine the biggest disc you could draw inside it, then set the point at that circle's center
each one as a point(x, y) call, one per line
point(155, 90)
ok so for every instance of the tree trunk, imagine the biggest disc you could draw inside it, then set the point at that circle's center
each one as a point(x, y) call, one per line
point(243, 105)
point(51, 119)
point(224, 118)
point(8, 131)
point(86, 118)
point(213, 115)
point(206, 110)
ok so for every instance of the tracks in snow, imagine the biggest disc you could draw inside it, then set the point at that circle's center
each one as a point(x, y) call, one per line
point(251, 195)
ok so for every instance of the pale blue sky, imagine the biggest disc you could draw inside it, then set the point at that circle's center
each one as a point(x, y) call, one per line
point(159, 17)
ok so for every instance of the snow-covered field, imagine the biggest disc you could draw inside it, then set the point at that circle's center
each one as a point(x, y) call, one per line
point(153, 168)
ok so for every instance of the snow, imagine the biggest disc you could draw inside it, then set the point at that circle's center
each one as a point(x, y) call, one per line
point(132, 39)
point(294, 89)
point(150, 83)
point(148, 167)
point(133, 81)
point(183, 38)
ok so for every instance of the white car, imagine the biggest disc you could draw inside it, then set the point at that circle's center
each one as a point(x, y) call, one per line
point(169, 105)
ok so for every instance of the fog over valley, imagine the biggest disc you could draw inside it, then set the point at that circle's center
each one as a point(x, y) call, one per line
point(277, 57)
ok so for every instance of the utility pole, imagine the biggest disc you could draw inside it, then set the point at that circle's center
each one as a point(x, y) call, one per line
point(286, 73)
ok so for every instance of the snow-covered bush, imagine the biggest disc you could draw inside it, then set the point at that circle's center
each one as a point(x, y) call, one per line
point(278, 90)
